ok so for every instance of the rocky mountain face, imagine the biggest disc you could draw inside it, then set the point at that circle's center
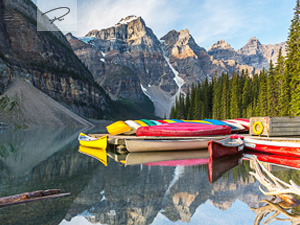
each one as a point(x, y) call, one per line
point(129, 61)
point(46, 60)
point(253, 54)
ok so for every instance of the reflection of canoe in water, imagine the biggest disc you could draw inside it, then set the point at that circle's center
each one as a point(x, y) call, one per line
point(217, 167)
point(96, 153)
point(275, 159)
point(183, 130)
point(135, 145)
point(93, 142)
point(164, 157)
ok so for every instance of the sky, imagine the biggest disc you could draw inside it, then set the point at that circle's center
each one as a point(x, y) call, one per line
point(208, 21)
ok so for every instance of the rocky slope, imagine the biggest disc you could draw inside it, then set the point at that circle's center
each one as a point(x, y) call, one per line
point(253, 54)
point(46, 60)
point(23, 106)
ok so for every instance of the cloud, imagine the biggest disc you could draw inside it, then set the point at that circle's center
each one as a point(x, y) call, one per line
point(99, 14)
point(208, 20)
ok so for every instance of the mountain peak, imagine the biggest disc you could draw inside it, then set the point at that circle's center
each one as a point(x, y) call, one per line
point(253, 40)
point(221, 44)
point(127, 20)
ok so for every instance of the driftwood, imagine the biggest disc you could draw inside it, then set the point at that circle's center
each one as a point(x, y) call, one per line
point(275, 186)
point(31, 196)
point(265, 212)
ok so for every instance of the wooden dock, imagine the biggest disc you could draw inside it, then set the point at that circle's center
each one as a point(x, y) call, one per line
point(120, 139)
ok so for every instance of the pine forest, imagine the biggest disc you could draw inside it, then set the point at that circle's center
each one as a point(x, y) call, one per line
point(274, 91)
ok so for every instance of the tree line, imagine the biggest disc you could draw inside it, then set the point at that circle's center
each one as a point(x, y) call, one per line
point(271, 92)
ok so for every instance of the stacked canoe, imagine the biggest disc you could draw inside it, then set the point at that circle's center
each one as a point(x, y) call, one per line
point(177, 128)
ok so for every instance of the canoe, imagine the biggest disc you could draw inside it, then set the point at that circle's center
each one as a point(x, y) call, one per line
point(280, 160)
point(217, 167)
point(285, 148)
point(225, 147)
point(148, 122)
point(238, 126)
point(197, 121)
point(96, 153)
point(172, 157)
point(170, 121)
point(92, 142)
point(219, 122)
point(156, 122)
point(141, 123)
point(118, 127)
point(183, 130)
point(134, 145)
point(133, 125)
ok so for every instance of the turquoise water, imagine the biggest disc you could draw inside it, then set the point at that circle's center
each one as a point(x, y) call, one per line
point(119, 194)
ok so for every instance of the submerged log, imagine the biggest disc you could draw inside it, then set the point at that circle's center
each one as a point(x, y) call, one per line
point(31, 196)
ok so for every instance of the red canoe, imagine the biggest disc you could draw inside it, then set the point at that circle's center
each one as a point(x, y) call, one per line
point(225, 147)
point(286, 148)
point(293, 162)
point(183, 130)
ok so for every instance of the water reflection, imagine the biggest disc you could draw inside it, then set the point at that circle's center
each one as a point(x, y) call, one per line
point(130, 190)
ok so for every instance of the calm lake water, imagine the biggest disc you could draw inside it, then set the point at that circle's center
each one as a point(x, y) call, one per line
point(149, 193)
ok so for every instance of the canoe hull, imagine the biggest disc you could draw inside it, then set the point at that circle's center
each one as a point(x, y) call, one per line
point(281, 160)
point(90, 142)
point(217, 149)
point(183, 130)
point(164, 145)
point(291, 149)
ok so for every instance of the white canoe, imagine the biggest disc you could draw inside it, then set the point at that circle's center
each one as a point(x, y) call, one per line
point(133, 145)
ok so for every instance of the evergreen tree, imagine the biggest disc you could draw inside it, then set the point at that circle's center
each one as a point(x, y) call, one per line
point(216, 99)
point(245, 97)
point(187, 104)
point(234, 103)
point(224, 96)
point(262, 106)
point(272, 91)
point(282, 93)
point(292, 67)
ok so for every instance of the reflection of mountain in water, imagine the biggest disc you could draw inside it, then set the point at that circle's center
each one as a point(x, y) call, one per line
point(137, 194)
point(39, 160)
point(110, 195)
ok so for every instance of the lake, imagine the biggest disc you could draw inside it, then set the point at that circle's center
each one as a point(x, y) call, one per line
point(149, 193)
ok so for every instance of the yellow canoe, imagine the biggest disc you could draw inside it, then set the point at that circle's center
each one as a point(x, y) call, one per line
point(197, 121)
point(92, 142)
point(141, 123)
point(97, 153)
point(118, 127)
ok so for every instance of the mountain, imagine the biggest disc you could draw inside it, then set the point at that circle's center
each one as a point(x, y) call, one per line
point(253, 54)
point(46, 60)
point(130, 46)
point(129, 61)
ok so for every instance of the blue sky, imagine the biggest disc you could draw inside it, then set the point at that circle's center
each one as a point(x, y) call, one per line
point(235, 21)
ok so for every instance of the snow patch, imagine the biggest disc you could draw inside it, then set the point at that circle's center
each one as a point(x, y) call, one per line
point(126, 20)
point(102, 60)
point(87, 40)
point(145, 92)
